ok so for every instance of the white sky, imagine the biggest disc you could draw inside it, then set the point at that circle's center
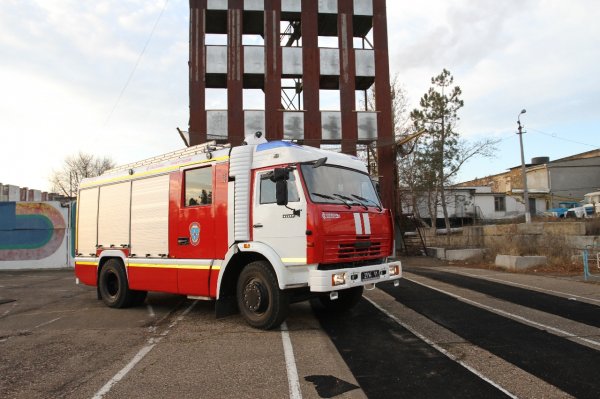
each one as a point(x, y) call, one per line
point(64, 63)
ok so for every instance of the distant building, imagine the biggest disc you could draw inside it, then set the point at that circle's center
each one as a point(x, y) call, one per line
point(564, 179)
point(12, 193)
point(500, 196)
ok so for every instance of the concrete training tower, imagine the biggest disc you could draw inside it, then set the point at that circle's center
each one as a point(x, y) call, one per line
point(270, 48)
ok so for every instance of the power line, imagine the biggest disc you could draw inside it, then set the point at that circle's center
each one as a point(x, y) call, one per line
point(136, 63)
point(554, 135)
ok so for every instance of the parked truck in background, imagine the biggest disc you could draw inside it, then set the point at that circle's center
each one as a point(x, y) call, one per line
point(254, 227)
point(562, 209)
point(586, 209)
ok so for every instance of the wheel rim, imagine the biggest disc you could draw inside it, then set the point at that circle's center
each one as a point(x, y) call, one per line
point(112, 284)
point(255, 296)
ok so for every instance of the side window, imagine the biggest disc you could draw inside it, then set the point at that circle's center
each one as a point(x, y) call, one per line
point(267, 190)
point(198, 186)
point(499, 204)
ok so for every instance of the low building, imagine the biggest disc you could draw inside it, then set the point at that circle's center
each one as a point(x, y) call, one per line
point(500, 196)
point(548, 182)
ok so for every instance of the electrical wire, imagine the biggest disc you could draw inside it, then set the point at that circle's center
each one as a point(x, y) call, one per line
point(136, 64)
point(554, 135)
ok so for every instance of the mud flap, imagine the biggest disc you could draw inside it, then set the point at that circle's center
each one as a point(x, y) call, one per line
point(226, 306)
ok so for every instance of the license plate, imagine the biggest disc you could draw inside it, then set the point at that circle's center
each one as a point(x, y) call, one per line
point(370, 275)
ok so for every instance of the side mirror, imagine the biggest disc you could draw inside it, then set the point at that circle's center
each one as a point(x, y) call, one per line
point(280, 176)
point(281, 192)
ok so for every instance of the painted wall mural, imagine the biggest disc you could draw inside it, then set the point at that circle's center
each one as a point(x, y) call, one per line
point(33, 235)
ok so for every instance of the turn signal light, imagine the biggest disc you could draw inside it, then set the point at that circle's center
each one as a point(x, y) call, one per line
point(338, 279)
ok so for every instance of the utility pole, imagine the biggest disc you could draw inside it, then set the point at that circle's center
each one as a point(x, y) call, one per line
point(523, 171)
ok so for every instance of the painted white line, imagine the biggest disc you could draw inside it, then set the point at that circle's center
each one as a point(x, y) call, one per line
point(290, 363)
point(521, 285)
point(440, 349)
point(46, 323)
point(119, 376)
point(511, 315)
point(8, 310)
point(139, 356)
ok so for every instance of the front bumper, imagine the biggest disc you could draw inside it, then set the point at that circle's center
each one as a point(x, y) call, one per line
point(323, 280)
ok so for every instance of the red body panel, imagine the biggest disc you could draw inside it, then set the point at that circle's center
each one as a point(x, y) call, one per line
point(193, 281)
point(152, 278)
point(86, 273)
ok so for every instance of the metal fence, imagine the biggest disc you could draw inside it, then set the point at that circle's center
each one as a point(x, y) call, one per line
point(591, 262)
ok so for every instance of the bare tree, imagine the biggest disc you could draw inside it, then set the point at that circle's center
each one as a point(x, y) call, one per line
point(75, 168)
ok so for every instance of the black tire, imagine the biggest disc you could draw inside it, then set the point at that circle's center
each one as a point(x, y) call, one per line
point(262, 304)
point(113, 285)
point(346, 300)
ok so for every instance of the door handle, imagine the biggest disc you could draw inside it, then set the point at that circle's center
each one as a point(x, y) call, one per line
point(257, 225)
point(183, 241)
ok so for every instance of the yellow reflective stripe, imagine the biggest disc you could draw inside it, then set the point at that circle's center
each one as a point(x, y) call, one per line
point(293, 260)
point(87, 263)
point(151, 172)
point(172, 266)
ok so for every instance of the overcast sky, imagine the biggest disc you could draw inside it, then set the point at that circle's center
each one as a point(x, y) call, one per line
point(66, 81)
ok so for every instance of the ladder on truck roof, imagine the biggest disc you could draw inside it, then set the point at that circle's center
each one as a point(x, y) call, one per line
point(205, 148)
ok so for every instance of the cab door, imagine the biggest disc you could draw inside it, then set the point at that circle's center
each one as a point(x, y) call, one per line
point(192, 237)
point(282, 228)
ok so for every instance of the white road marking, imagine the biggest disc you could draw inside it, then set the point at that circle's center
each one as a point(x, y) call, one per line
point(8, 310)
point(440, 349)
point(290, 363)
point(46, 323)
point(521, 285)
point(119, 376)
point(511, 315)
point(140, 355)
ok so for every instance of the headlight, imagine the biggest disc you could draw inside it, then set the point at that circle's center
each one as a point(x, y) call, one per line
point(338, 279)
point(394, 270)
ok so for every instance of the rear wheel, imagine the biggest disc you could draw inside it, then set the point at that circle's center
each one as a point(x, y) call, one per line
point(113, 286)
point(262, 304)
point(346, 300)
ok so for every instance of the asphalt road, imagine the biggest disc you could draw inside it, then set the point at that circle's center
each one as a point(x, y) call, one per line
point(445, 332)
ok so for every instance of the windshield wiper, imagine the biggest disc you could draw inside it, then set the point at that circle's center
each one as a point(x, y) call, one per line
point(352, 202)
point(358, 197)
point(329, 197)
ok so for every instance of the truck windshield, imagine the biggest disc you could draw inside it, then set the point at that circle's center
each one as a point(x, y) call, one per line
point(334, 185)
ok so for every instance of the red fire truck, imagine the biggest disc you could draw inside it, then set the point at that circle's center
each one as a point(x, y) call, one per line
point(254, 227)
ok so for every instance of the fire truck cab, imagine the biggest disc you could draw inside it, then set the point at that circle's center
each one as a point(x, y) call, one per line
point(254, 227)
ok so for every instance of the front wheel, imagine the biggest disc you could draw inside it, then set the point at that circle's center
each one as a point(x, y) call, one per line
point(262, 304)
point(346, 300)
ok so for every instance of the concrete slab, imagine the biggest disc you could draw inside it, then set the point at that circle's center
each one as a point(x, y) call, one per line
point(465, 254)
point(436, 252)
point(512, 262)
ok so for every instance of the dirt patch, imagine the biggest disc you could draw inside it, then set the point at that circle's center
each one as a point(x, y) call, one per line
point(567, 269)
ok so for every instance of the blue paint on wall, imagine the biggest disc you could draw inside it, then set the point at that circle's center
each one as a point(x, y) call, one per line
point(8, 215)
point(23, 231)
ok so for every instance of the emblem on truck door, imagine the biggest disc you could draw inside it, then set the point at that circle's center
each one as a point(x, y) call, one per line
point(195, 233)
